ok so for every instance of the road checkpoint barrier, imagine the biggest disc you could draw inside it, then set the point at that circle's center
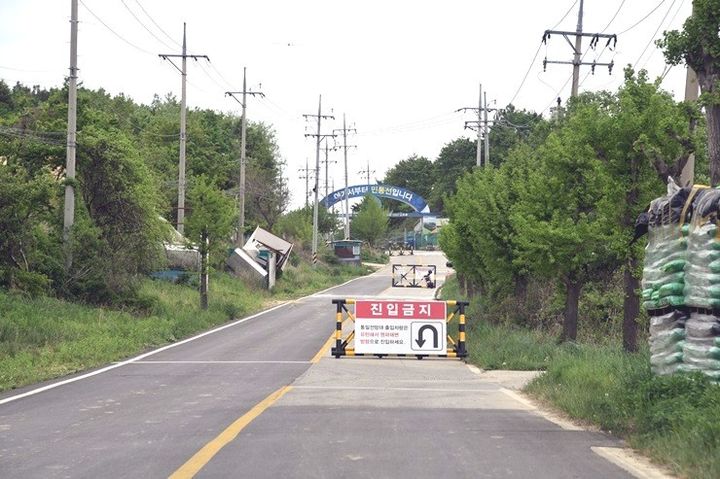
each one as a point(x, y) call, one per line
point(414, 276)
point(399, 328)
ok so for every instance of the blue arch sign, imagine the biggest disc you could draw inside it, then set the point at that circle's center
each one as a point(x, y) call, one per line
point(396, 193)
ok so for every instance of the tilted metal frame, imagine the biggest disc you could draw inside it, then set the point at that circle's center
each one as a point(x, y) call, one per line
point(455, 309)
point(413, 282)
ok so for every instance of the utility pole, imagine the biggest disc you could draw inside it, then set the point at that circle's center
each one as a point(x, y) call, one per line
point(367, 171)
point(181, 169)
point(306, 177)
point(327, 161)
point(482, 125)
point(687, 176)
point(240, 237)
point(577, 50)
point(487, 131)
point(69, 209)
point(318, 136)
point(345, 147)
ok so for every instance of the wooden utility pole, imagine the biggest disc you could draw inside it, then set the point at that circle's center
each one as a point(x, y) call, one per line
point(183, 112)
point(318, 136)
point(69, 209)
point(577, 49)
point(345, 147)
point(240, 236)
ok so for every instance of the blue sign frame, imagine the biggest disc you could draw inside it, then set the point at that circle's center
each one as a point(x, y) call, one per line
point(396, 193)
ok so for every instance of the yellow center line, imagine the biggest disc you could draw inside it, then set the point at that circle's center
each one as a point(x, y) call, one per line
point(323, 351)
point(204, 455)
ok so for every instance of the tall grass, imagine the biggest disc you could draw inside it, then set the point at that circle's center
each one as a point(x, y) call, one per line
point(46, 338)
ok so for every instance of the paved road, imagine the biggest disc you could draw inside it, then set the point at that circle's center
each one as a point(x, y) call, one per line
point(218, 406)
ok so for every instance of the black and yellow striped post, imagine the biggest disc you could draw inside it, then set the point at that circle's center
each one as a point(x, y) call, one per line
point(338, 350)
point(461, 350)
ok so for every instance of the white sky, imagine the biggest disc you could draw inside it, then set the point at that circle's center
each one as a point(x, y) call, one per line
point(399, 69)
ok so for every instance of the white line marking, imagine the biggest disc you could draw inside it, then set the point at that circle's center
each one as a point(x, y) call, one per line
point(221, 362)
point(164, 348)
point(137, 358)
point(631, 462)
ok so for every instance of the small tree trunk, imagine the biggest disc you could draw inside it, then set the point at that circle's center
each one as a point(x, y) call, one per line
point(712, 113)
point(204, 252)
point(631, 305)
point(572, 299)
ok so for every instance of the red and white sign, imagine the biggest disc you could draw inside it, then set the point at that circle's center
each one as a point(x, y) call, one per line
point(400, 327)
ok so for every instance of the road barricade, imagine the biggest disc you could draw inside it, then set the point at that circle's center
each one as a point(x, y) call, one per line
point(399, 328)
point(414, 276)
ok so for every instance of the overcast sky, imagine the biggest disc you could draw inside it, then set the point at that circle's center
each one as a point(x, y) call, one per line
point(399, 69)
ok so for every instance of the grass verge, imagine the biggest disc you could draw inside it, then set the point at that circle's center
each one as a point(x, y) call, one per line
point(45, 338)
point(674, 420)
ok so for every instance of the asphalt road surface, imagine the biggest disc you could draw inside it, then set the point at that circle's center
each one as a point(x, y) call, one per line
point(262, 398)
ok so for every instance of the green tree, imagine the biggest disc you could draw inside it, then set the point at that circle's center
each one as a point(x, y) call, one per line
point(297, 225)
point(371, 222)
point(26, 206)
point(698, 46)
point(209, 225)
point(414, 173)
point(455, 160)
point(561, 232)
point(511, 127)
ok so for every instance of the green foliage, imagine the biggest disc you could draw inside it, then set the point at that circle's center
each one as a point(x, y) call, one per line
point(416, 173)
point(455, 160)
point(296, 225)
point(212, 216)
point(371, 222)
point(26, 205)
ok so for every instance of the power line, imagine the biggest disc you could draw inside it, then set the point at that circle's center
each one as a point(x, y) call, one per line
point(156, 24)
point(643, 18)
point(672, 19)
point(565, 16)
point(114, 32)
point(652, 37)
point(143, 25)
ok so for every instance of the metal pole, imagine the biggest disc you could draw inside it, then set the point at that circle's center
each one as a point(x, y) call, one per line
point(576, 56)
point(317, 176)
point(487, 132)
point(243, 146)
point(478, 159)
point(69, 209)
point(181, 172)
point(347, 201)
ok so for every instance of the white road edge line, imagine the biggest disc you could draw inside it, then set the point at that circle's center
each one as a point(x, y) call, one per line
point(159, 350)
point(558, 421)
point(221, 362)
point(631, 462)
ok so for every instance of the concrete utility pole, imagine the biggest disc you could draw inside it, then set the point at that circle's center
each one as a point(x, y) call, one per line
point(345, 147)
point(327, 161)
point(69, 210)
point(482, 124)
point(367, 171)
point(183, 112)
point(487, 131)
point(306, 177)
point(577, 49)
point(687, 176)
point(240, 237)
point(318, 137)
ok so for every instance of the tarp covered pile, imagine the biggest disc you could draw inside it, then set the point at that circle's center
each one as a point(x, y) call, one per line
point(681, 281)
